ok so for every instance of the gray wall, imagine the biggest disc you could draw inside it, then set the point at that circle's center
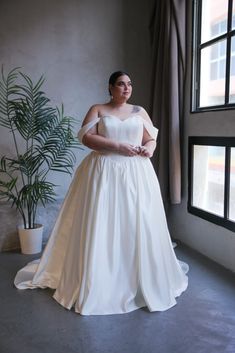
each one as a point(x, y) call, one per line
point(76, 44)
point(213, 241)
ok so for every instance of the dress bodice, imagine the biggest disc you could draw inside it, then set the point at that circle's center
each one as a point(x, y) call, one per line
point(129, 130)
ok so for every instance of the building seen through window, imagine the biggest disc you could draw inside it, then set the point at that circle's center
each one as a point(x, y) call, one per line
point(212, 159)
point(214, 49)
point(212, 179)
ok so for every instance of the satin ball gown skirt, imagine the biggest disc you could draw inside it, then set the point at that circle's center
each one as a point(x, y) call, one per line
point(110, 251)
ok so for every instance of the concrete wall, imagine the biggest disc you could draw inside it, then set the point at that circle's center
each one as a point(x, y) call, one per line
point(211, 240)
point(76, 44)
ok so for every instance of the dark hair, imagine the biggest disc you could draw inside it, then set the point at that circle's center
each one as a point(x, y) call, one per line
point(113, 78)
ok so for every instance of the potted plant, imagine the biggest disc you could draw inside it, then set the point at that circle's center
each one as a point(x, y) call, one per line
point(43, 141)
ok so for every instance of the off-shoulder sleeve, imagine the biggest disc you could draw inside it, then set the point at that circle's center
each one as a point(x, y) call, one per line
point(152, 130)
point(85, 128)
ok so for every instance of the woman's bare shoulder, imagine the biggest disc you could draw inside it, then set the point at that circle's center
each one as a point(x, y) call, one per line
point(93, 113)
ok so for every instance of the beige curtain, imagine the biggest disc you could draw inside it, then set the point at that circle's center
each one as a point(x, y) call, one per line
point(168, 32)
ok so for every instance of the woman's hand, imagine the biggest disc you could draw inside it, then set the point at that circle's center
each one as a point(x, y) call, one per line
point(127, 149)
point(145, 151)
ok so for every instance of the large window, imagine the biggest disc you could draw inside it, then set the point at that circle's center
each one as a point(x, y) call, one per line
point(212, 179)
point(214, 55)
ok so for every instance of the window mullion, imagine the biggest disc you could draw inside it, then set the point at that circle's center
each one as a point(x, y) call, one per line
point(230, 15)
point(227, 182)
point(198, 7)
point(228, 52)
point(198, 80)
point(227, 76)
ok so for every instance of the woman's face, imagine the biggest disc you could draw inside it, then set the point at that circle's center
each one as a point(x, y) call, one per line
point(122, 88)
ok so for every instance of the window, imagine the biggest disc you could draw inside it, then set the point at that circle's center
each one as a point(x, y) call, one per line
point(213, 84)
point(212, 179)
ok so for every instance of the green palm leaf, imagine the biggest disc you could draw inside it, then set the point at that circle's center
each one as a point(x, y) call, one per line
point(48, 143)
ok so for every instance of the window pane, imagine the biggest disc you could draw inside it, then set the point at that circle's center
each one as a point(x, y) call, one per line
point(214, 70)
point(232, 72)
point(214, 52)
point(214, 19)
point(233, 45)
point(221, 68)
point(232, 186)
point(232, 68)
point(222, 48)
point(233, 18)
point(212, 76)
point(208, 178)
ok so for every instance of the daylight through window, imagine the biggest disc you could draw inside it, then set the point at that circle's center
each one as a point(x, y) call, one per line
point(214, 54)
point(212, 179)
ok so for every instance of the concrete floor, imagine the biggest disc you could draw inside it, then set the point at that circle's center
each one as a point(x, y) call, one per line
point(203, 321)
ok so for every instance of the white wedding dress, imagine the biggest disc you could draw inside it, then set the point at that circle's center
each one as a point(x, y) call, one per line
point(110, 251)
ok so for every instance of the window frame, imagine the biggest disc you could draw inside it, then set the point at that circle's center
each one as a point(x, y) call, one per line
point(226, 142)
point(196, 58)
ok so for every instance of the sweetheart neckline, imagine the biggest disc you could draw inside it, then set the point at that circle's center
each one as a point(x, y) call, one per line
point(121, 120)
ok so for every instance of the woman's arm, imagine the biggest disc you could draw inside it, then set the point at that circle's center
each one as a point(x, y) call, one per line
point(148, 146)
point(148, 143)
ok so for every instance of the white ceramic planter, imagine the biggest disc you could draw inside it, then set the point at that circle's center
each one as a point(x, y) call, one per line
point(31, 239)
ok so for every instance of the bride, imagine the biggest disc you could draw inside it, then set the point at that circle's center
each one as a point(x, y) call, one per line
point(110, 251)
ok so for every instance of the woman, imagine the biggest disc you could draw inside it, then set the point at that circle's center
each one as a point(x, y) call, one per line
point(110, 251)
